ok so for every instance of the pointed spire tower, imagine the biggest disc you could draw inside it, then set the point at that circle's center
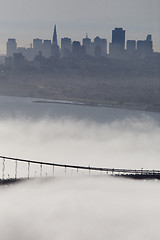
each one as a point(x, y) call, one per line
point(55, 48)
point(55, 43)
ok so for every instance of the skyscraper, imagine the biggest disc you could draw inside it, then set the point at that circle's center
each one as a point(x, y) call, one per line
point(101, 44)
point(87, 44)
point(78, 50)
point(11, 47)
point(37, 46)
point(66, 47)
point(55, 47)
point(55, 36)
point(118, 43)
point(131, 48)
point(118, 37)
point(145, 47)
point(46, 48)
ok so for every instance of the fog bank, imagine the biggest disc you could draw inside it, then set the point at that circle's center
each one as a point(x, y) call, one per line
point(80, 208)
point(127, 143)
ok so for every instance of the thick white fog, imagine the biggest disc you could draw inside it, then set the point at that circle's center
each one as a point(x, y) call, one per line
point(123, 144)
point(80, 206)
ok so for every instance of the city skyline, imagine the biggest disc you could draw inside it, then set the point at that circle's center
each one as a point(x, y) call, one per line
point(119, 47)
point(60, 36)
point(94, 17)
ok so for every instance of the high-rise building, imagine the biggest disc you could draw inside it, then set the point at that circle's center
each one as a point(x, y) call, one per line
point(55, 47)
point(101, 45)
point(66, 47)
point(117, 46)
point(87, 44)
point(149, 44)
point(78, 50)
point(118, 37)
point(46, 51)
point(145, 47)
point(37, 46)
point(54, 41)
point(11, 47)
point(131, 48)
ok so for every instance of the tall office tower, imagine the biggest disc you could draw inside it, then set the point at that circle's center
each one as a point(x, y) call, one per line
point(78, 50)
point(46, 51)
point(100, 46)
point(37, 46)
point(118, 37)
point(11, 47)
point(66, 47)
point(92, 49)
point(131, 48)
point(145, 47)
point(118, 43)
point(55, 47)
point(87, 44)
point(149, 44)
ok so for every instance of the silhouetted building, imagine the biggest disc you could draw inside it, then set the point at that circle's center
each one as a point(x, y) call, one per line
point(87, 45)
point(37, 46)
point(100, 47)
point(97, 48)
point(131, 48)
point(98, 51)
point(46, 50)
point(66, 47)
point(55, 42)
point(11, 47)
point(55, 47)
point(145, 47)
point(78, 50)
point(28, 53)
point(118, 37)
point(118, 43)
point(92, 49)
point(149, 45)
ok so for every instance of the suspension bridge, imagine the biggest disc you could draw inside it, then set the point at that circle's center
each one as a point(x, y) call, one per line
point(6, 178)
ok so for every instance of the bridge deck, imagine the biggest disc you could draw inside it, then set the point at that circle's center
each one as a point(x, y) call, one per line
point(132, 173)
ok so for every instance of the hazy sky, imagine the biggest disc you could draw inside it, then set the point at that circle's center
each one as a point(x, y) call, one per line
point(27, 19)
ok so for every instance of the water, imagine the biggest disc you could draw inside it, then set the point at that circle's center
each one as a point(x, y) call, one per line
point(79, 206)
point(30, 108)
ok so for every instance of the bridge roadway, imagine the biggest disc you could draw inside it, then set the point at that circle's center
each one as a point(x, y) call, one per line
point(132, 173)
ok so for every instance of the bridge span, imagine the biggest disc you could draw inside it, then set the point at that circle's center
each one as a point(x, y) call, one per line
point(120, 172)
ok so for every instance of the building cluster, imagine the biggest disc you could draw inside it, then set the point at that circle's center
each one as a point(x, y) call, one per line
point(97, 48)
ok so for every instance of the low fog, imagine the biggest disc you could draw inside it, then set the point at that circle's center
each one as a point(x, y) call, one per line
point(80, 208)
point(128, 143)
point(79, 205)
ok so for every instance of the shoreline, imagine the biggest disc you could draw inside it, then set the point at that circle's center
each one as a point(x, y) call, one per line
point(91, 103)
point(146, 108)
